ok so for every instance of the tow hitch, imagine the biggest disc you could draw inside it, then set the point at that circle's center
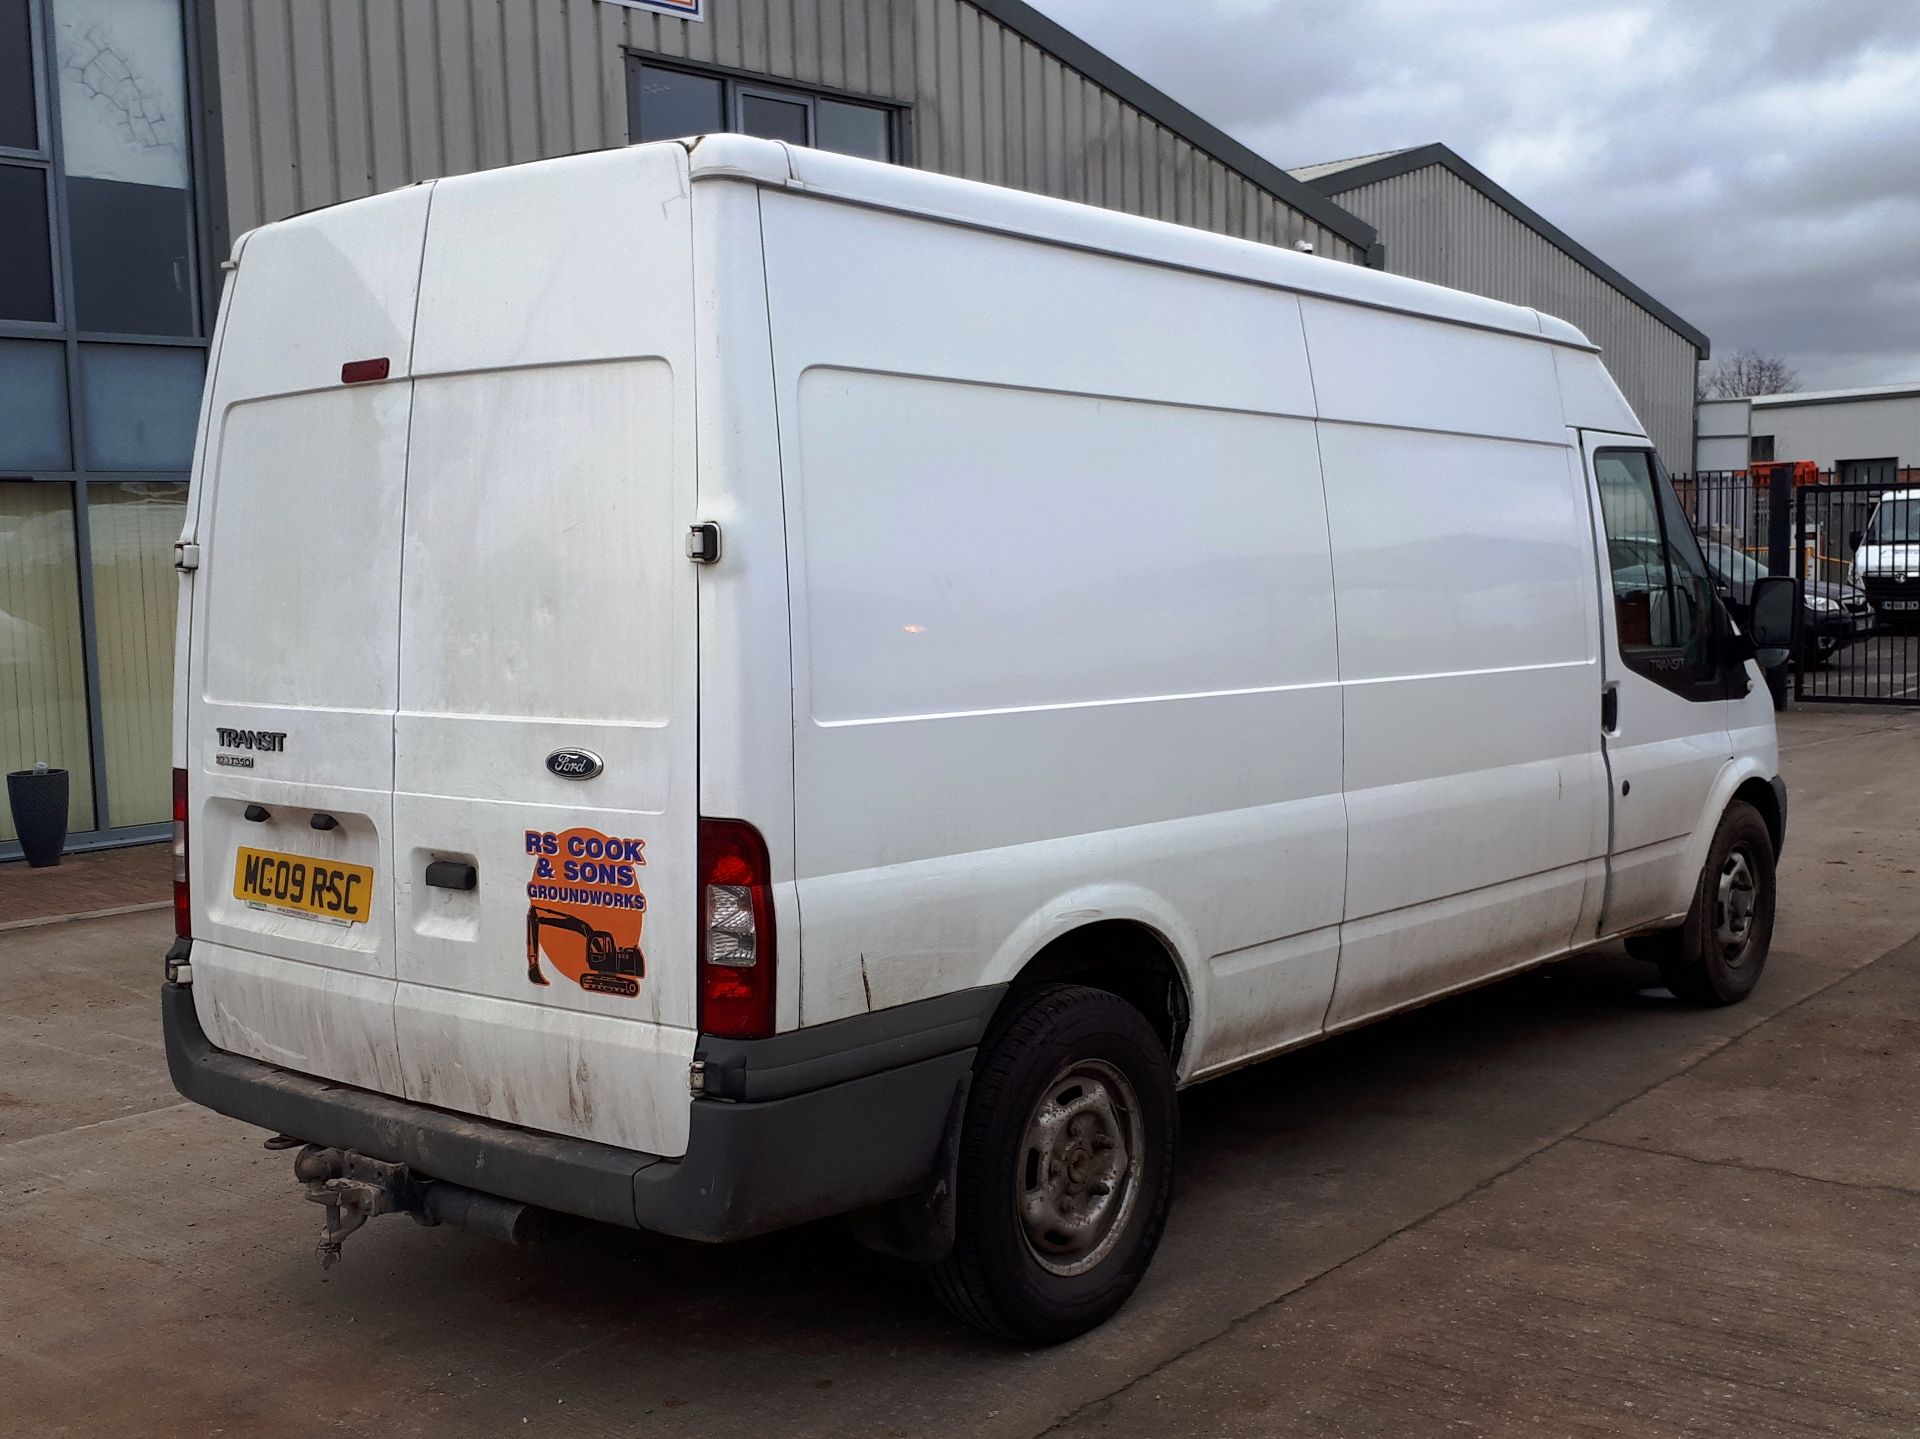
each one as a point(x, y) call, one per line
point(354, 1188)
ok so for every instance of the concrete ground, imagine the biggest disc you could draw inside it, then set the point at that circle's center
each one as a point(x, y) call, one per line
point(1563, 1205)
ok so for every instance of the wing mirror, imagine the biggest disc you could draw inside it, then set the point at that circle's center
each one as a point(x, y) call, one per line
point(1774, 619)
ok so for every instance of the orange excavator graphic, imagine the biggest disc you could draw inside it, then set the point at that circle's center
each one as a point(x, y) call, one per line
point(611, 968)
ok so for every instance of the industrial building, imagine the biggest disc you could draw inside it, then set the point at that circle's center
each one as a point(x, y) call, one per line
point(139, 137)
point(1865, 436)
point(1442, 220)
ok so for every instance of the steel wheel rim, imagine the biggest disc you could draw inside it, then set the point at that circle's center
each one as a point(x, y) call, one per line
point(1078, 1168)
point(1736, 899)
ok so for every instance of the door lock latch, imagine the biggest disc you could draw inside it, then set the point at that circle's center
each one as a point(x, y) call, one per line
point(703, 543)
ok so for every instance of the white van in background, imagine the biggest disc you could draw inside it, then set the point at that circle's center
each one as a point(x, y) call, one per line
point(724, 684)
point(1886, 559)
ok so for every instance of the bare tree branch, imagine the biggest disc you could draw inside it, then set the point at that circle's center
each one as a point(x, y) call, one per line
point(1747, 372)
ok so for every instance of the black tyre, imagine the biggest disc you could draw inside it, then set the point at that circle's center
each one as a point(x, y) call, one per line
point(1065, 1167)
point(1716, 956)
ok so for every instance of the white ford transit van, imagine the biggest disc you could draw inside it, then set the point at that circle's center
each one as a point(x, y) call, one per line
point(1886, 558)
point(724, 684)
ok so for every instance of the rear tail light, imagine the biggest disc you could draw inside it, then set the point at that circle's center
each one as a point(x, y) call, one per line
point(182, 901)
point(736, 931)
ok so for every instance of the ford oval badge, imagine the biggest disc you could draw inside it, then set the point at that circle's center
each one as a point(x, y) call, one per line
point(574, 763)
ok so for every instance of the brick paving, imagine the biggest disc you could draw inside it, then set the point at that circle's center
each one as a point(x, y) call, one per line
point(107, 879)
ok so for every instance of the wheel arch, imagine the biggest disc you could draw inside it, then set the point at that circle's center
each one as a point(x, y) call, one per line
point(1128, 942)
point(1761, 794)
point(1740, 779)
point(1126, 958)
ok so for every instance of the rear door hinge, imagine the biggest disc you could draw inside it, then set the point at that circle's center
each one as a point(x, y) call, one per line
point(186, 556)
point(703, 543)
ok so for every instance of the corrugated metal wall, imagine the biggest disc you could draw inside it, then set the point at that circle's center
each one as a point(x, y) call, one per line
point(1437, 227)
point(325, 100)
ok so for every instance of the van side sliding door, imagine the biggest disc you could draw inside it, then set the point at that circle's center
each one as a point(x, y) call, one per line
point(1662, 710)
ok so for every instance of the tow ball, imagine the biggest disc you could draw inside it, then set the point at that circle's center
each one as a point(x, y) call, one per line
point(355, 1187)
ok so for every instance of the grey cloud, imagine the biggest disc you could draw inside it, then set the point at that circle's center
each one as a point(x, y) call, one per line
point(1756, 165)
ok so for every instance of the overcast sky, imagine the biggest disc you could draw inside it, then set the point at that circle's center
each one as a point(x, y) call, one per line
point(1755, 164)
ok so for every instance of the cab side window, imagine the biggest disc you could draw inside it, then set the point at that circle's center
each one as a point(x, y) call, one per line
point(1664, 605)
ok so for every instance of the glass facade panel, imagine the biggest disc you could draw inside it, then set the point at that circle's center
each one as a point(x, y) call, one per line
point(123, 140)
point(132, 256)
point(43, 675)
point(135, 590)
point(98, 237)
point(26, 246)
point(33, 406)
point(774, 119)
point(19, 126)
point(142, 403)
point(664, 102)
point(672, 103)
point(852, 129)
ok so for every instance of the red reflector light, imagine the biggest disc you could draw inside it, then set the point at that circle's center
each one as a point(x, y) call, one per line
point(736, 931)
point(182, 900)
point(358, 372)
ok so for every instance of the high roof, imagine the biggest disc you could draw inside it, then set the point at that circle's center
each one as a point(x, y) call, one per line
point(1336, 177)
point(1157, 105)
point(1097, 229)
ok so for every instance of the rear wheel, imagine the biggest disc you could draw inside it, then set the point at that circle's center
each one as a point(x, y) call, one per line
point(1065, 1167)
point(1717, 955)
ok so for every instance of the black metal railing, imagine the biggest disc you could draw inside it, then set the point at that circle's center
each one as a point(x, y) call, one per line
point(1860, 621)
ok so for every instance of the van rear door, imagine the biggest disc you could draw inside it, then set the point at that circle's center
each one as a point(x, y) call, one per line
point(295, 640)
point(545, 805)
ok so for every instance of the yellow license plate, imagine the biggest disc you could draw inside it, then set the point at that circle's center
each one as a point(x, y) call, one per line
point(300, 884)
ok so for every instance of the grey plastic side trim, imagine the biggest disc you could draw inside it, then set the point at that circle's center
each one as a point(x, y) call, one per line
point(844, 1049)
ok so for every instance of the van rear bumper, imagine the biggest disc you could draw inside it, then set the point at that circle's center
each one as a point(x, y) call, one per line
point(818, 1121)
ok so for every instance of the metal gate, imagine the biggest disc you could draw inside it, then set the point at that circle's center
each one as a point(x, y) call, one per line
point(1856, 553)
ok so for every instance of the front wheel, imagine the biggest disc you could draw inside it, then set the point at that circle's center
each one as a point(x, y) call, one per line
point(1065, 1167)
point(1716, 956)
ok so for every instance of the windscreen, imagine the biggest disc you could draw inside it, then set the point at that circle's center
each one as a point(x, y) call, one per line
point(1895, 522)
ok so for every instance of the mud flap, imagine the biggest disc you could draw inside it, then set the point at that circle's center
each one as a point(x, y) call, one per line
point(920, 1226)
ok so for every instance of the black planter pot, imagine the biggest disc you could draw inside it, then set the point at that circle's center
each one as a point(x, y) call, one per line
point(39, 803)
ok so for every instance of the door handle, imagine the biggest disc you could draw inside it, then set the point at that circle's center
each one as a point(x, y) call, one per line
point(1610, 708)
point(452, 874)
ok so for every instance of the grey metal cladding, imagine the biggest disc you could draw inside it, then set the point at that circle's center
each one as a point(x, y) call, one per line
point(1438, 228)
point(1370, 170)
point(321, 103)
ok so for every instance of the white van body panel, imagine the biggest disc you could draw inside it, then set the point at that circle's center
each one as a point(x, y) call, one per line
point(1476, 798)
point(299, 485)
point(1074, 568)
point(1061, 611)
point(547, 602)
point(746, 685)
point(462, 568)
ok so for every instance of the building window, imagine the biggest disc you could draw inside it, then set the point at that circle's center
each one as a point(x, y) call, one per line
point(102, 355)
point(1759, 449)
point(666, 102)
